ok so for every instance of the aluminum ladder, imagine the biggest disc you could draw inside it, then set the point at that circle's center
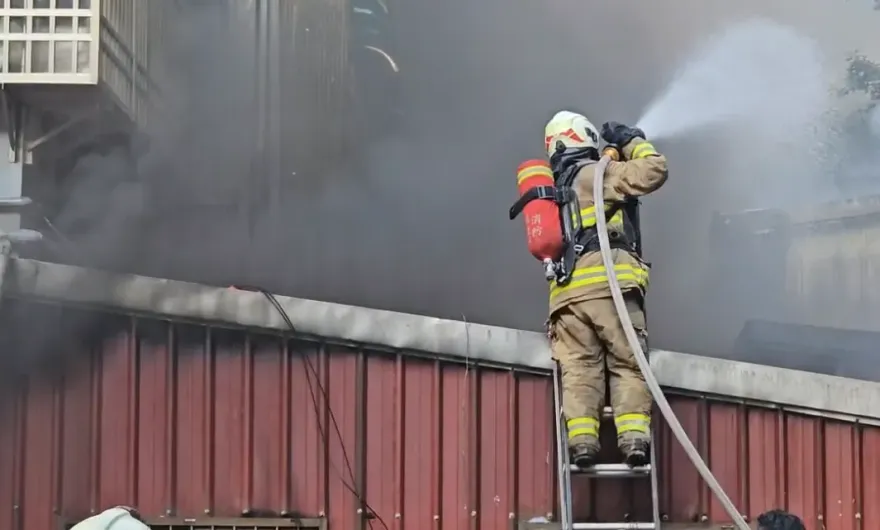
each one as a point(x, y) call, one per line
point(565, 469)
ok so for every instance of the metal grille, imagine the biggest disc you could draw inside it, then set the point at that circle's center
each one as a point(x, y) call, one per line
point(49, 41)
point(255, 523)
point(232, 523)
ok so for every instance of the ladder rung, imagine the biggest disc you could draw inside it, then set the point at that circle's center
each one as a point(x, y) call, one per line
point(613, 526)
point(612, 470)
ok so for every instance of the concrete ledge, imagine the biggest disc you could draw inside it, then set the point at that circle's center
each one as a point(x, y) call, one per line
point(172, 300)
point(768, 384)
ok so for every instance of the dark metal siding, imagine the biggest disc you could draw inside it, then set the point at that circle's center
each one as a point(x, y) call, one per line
point(191, 421)
point(315, 86)
point(134, 57)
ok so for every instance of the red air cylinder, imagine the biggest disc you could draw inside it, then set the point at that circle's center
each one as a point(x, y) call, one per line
point(543, 226)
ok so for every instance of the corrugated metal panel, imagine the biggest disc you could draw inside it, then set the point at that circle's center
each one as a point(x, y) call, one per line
point(826, 471)
point(315, 85)
point(133, 36)
point(151, 418)
point(189, 421)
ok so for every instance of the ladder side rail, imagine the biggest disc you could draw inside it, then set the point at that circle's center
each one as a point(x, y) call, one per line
point(655, 486)
point(563, 467)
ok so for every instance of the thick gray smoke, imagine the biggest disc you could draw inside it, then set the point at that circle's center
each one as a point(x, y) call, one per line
point(416, 220)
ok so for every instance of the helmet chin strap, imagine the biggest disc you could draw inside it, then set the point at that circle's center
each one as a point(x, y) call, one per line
point(565, 162)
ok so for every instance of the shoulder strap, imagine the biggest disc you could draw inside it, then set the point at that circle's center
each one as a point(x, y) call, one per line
point(538, 192)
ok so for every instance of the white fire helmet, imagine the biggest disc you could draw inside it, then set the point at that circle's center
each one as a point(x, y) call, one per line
point(572, 129)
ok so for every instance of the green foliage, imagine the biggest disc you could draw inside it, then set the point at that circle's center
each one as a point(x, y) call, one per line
point(863, 75)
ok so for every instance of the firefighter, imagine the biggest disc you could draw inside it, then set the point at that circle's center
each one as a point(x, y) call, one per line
point(116, 518)
point(587, 338)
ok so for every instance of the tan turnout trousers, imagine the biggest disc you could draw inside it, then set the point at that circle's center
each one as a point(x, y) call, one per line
point(588, 340)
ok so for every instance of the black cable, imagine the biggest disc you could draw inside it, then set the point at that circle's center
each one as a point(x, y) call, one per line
point(312, 371)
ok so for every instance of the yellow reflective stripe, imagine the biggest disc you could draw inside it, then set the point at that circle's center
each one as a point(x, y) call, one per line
point(583, 426)
point(633, 423)
point(590, 221)
point(586, 214)
point(533, 172)
point(643, 150)
point(588, 217)
point(594, 275)
point(586, 421)
point(633, 428)
point(583, 431)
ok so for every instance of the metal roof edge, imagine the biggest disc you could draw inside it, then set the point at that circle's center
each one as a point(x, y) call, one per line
point(169, 299)
point(175, 300)
point(767, 384)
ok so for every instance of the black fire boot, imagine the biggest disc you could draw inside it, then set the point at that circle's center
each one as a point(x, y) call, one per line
point(636, 450)
point(584, 454)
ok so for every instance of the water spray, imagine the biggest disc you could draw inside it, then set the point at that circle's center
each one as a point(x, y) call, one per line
point(757, 72)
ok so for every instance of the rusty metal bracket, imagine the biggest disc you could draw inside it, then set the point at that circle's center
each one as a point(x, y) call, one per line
point(16, 118)
point(29, 146)
point(18, 114)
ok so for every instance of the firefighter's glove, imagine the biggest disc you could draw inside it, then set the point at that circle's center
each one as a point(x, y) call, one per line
point(620, 134)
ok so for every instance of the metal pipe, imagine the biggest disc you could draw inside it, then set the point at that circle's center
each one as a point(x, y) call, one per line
point(614, 526)
point(4, 263)
point(633, 339)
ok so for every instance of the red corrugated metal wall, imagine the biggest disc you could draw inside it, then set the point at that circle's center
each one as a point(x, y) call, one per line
point(189, 421)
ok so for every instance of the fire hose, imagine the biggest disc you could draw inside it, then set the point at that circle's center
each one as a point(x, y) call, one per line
point(633, 339)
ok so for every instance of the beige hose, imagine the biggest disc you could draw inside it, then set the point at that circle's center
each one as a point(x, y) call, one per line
point(633, 339)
